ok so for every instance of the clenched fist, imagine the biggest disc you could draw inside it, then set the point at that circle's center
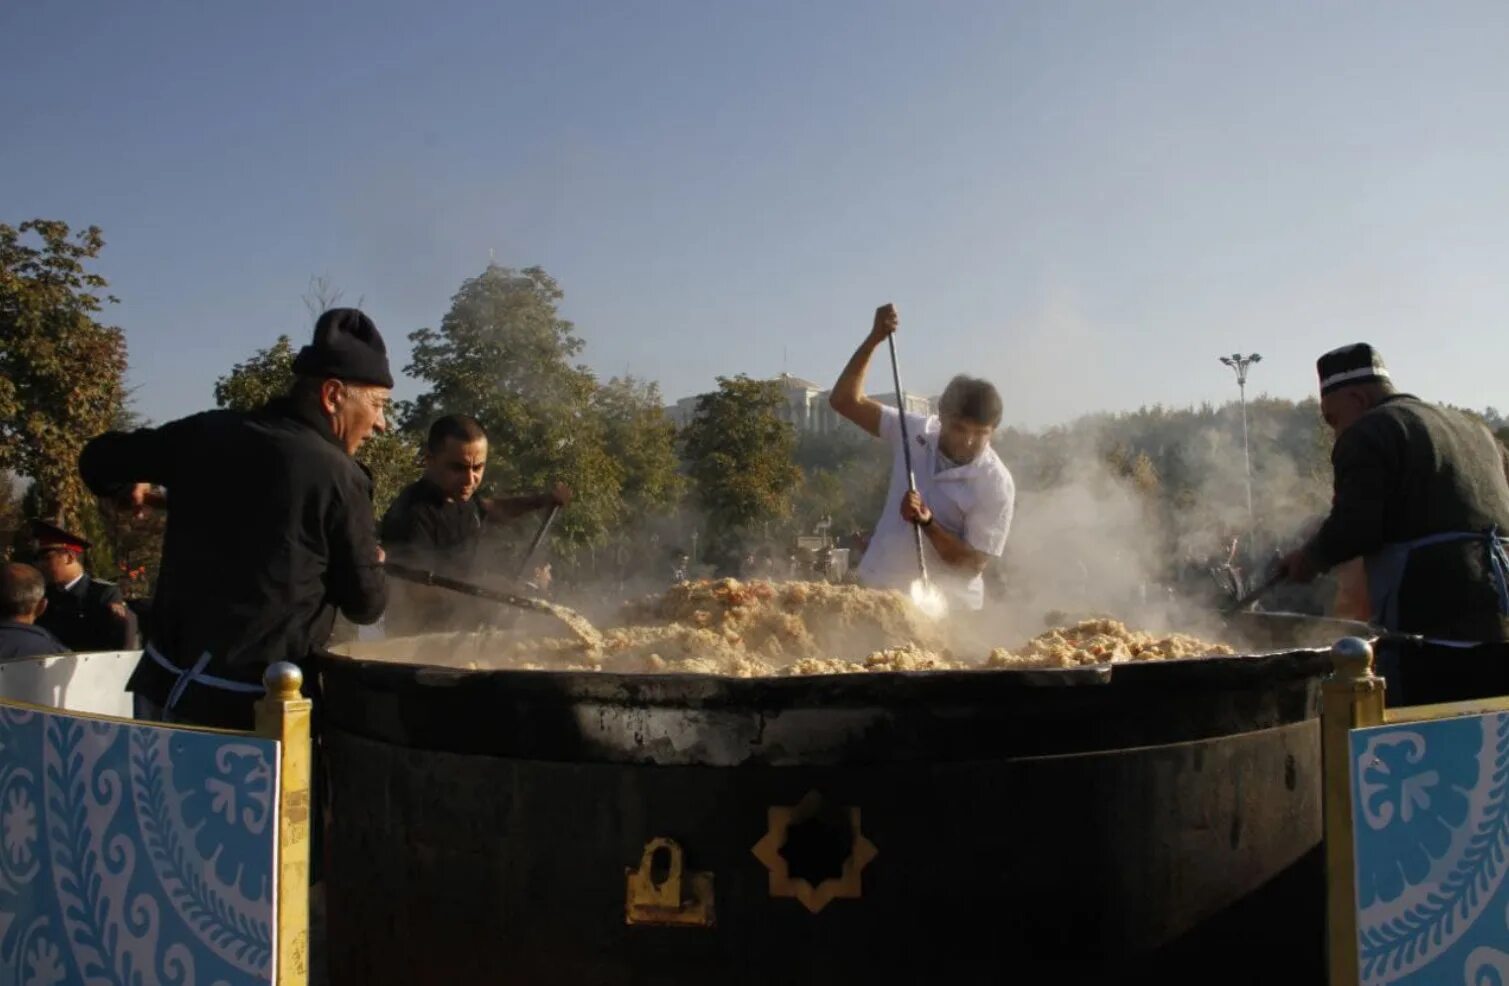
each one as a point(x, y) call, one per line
point(886, 321)
point(914, 510)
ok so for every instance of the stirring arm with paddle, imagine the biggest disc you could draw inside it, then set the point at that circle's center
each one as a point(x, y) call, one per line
point(1254, 595)
point(924, 593)
point(534, 547)
point(578, 624)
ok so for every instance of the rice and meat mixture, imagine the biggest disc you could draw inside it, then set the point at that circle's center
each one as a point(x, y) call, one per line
point(1100, 642)
point(758, 629)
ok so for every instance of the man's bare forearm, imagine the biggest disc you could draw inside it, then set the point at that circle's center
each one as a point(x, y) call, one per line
point(848, 395)
point(954, 550)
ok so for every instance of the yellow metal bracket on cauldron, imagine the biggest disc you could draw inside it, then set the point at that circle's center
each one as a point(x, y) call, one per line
point(783, 884)
point(679, 898)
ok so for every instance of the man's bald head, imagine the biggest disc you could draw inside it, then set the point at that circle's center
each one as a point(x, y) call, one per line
point(23, 593)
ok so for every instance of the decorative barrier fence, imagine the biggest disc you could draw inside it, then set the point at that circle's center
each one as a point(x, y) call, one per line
point(1417, 834)
point(143, 854)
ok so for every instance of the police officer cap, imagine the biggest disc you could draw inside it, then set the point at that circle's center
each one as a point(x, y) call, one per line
point(51, 536)
point(346, 346)
point(1349, 365)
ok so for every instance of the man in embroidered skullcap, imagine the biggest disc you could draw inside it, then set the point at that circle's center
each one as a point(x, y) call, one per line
point(1421, 495)
point(269, 531)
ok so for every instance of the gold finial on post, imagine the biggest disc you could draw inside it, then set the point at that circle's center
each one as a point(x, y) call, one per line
point(283, 714)
point(284, 681)
point(1352, 698)
point(1352, 659)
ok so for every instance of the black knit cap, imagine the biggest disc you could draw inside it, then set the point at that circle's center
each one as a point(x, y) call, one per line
point(1350, 365)
point(346, 346)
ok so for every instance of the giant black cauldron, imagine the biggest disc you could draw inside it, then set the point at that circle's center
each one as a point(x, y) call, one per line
point(992, 826)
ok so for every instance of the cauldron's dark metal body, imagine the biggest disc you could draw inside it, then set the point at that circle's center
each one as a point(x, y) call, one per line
point(1029, 826)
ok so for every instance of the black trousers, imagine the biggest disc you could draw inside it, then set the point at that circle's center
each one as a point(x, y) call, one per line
point(1422, 673)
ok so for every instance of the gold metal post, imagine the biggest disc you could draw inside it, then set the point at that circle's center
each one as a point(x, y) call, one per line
point(284, 715)
point(1352, 698)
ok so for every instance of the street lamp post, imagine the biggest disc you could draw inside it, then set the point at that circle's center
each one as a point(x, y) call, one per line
point(1240, 364)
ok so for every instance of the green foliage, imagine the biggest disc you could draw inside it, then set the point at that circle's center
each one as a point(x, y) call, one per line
point(505, 356)
point(267, 375)
point(740, 457)
point(643, 439)
point(61, 370)
point(12, 516)
point(393, 459)
point(845, 477)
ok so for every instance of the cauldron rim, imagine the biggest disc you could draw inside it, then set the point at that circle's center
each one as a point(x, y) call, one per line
point(697, 688)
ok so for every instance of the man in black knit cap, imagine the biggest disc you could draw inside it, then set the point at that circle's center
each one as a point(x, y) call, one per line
point(1422, 496)
point(269, 532)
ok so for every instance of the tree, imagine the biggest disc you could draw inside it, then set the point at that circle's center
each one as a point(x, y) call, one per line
point(503, 355)
point(12, 514)
point(322, 296)
point(643, 439)
point(392, 458)
point(61, 370)
point(250, 384)
point(740, 457)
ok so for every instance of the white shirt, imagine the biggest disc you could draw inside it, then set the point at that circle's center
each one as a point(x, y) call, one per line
point(973, 502)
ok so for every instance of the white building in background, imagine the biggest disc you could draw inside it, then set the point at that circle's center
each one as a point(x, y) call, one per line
point(806, 408)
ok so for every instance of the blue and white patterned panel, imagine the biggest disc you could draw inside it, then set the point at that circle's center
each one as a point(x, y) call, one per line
point(134, 854)
point(1430, 809)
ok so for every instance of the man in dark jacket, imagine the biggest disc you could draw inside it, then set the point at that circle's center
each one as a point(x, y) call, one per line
point(270, 527)
point(437, 522)
point(85, 613)
point(1422, 496)
point(23, 599)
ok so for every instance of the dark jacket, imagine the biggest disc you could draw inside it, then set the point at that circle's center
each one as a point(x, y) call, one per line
point(424, 530)
point(1407, 469)
point(90, 615)
point(22, 640)
point(269, 531)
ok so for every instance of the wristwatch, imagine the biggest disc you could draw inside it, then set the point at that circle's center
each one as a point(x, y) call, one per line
point(928, 522)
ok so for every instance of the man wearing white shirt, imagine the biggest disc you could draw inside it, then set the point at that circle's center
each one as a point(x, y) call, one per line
point(965, 494)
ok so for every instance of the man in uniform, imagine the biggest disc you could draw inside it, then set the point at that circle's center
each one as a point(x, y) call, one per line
point(85, 613)
point(23, 598)
point(269, 527)
point(436, 523)
point(1421, 496)
point(965, 494)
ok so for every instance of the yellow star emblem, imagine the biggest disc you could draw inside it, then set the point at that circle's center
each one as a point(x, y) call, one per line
point(831, 843)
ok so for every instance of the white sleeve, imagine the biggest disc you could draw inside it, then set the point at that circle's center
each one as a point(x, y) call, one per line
point(890, 425)
point(989, 522)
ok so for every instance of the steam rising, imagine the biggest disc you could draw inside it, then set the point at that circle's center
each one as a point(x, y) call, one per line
point(1099, 529)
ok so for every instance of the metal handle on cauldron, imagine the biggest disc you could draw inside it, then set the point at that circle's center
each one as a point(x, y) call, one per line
point(906, 448)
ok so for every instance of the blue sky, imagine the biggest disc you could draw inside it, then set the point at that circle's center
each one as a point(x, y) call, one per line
point(1085, 202)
